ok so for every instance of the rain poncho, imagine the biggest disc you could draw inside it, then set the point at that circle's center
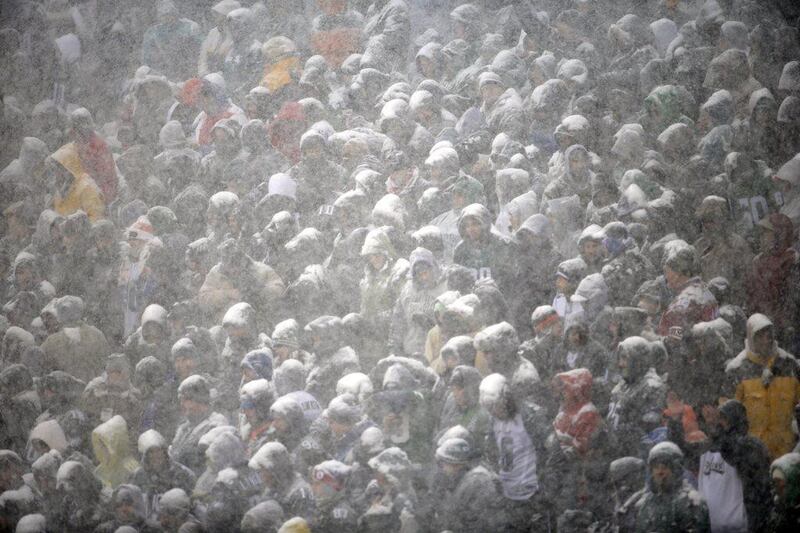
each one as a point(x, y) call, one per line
point(110, 443)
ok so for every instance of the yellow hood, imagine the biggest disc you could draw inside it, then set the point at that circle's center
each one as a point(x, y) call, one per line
point(67, 156)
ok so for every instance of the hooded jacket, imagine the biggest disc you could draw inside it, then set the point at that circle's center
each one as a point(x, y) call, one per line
point(488, 257)
point(766, 384)
point(578, 419)
point(78, 348)
point(110, 443)
point(82, 193)
point(773, 273)
point(413, 312)
point(676, 508)
point(638, 400)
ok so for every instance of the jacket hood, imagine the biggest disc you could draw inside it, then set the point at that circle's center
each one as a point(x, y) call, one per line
point(50, 433)
point(431, 51)
point(523, 206)
point(576, 386)
point(241, 315)
point(576, 126)
point(664, 30)
point(677, 140)
point(720, 107)
point(537, 225)
point(789, 111)
point(15, 379)
point(389, 211)
point(377, 242)
point(736, 415)
point(131, 495)
point(477, 212)
point(509, 67)
point(790, 77)
point(762, 98)
point(289, 377)
point(171, 136)
point(736, 34)
point(573, 71)
point(756, 323)
point(398, 377)
point(638, 352)
point(156, 314)
point(510, 183)
point(729, 70)
point(668, 454)
point(784, 464)
point(422, 256)
point(69, 311)
point(549, 97)
point(149, 440)
point(110, 441)
point(226, 451)
point(789, 172)
point(67, 156)
point(629, 145)
point(32, 152)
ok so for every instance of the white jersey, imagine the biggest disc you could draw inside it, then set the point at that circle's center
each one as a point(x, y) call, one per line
point(517, 459)
point(721, 486)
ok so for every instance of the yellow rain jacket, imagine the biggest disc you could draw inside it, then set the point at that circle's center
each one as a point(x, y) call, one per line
point(83, 194)
point(112, 449)
point(768, 388)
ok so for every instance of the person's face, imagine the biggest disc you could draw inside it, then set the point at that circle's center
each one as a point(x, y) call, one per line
point(126, 513)
point(460, 396)
point(157, 459)
point(47, 485)
point(248, 375)
point(191, 408)
point(402, 176)
point(153, 333)
point(578, 165)
point(767, 240)
point(312, 152)
point(473, 229)
point(592, 250)
point(459, 30)
point(574, 338)
point(281, 353)
point(281, 425)
point(779, 487)
point(458, 201)
point(426, 67)
point(266, 477)
point(783, 186)
point(251, 415)
point(763, 341)
point(649, 306)
point(423, 274)
point(490, 93)
point(184, 367)
point(562, 285)
point(115, 378)
point(450, 470)
point(674, 279)
point(376, 261)
point(339, 428)
point(23, 277)
point(623, 365)
point(661, 475)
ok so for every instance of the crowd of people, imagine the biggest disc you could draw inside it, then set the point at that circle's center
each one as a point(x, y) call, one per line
point(399, 266)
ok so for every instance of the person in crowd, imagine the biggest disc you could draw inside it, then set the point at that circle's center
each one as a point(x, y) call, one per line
point(399, 266)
